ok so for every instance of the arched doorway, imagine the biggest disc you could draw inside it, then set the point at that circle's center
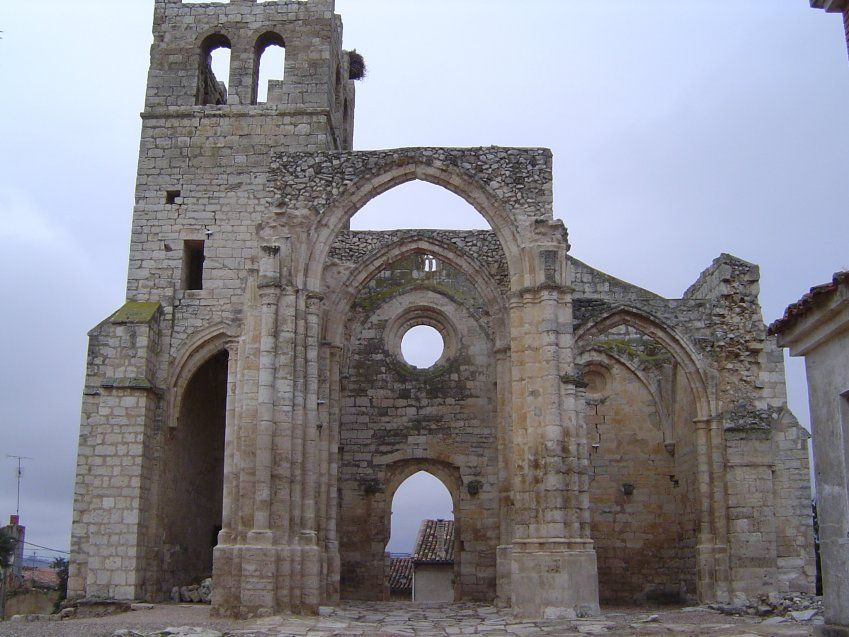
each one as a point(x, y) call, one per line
point(192, 477)
point(422, 541)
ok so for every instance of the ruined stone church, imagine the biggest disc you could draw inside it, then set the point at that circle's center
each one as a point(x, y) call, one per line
point(248, 412)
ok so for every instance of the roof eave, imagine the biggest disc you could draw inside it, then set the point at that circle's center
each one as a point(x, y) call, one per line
point(832, 6)
point(818, 324)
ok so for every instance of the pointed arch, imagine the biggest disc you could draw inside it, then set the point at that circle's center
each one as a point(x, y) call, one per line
point(340, 304)
point(400, 471)
point(191, 356)
point(683, 352)
point(606, 359)
point(336, 216)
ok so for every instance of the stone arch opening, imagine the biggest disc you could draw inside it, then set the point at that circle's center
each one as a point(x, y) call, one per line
point(423, 502)
point(214, 70)
point(666, 337)
point(645, 497)
point(336, 218)
point(490, 282)
point(192, 477)
point(269, 66)
point(418, 205)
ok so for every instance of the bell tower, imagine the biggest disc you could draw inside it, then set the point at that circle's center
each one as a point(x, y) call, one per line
point(316, 80)
point(204, 184)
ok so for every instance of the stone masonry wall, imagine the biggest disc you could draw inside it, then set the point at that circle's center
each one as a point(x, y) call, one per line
point(444, 416)
point(112, 515)
point(720, 316)
point(637, 534)
point(319, 406)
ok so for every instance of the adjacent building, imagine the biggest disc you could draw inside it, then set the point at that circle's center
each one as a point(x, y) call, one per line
point(433, 562)
point(817, 327)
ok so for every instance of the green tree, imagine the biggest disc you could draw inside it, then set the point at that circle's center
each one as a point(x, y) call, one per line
point(60, 565)
point(7, 549)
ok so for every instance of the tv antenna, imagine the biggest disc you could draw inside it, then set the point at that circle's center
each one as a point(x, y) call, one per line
point(20, 459)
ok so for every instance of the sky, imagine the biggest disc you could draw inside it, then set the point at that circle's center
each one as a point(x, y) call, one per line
point(680, 130)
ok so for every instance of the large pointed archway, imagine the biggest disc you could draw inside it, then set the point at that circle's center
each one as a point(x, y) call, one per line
point(653, 490)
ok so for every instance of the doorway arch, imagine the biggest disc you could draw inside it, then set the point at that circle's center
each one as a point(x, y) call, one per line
point(422, 530)
point(192, 476)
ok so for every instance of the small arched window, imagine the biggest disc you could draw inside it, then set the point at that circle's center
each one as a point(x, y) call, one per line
point(214, 71)
point(269, 66)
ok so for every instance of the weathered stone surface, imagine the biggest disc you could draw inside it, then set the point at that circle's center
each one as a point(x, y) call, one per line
point(816, 328)
point(250, 415)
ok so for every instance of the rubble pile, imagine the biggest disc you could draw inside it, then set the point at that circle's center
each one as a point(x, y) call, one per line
point(194, 594)
point(183, 631)
point(791, 606)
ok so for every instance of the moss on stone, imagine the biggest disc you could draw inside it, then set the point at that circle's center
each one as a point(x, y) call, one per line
point(135, 312)
point(645, 352)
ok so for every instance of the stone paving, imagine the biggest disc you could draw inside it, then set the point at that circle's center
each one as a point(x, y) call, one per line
point(409, 620)
point(402, 620)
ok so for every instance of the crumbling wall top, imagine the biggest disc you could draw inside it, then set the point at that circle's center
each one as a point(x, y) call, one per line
point(519, 178)
point(235, 8)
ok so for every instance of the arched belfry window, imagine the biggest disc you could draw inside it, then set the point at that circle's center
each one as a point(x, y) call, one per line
point(214, 70)
point(269, 67)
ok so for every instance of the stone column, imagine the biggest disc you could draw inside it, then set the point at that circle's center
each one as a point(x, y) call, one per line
point(719, 511)
point(331, 541)
point(269, 293)
point(554, 572)
point(259, 558)
point(705, 548)
point(505, 464)
point(226, 535)
point(308, 540)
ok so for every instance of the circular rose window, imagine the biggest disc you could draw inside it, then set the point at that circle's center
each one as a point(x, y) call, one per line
point(422, 346)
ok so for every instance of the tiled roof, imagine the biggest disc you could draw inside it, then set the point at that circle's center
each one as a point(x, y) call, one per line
point(435, 543)
point(830, 5)
point(401, 574)
point(41, 577)
point(812, 299)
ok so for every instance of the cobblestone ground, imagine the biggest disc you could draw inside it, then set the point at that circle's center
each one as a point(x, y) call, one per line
point(407, 620)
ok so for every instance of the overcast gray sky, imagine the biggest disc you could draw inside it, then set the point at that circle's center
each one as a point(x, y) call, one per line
point(680, 130)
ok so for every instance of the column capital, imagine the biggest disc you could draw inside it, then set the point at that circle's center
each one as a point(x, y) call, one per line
point(575, 380)
point(706, 423)
point(537, 293)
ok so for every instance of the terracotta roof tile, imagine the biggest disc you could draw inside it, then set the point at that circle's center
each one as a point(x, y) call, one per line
point(818, 294)
point(401, 574)
point(435, 543)
point(41, 577)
